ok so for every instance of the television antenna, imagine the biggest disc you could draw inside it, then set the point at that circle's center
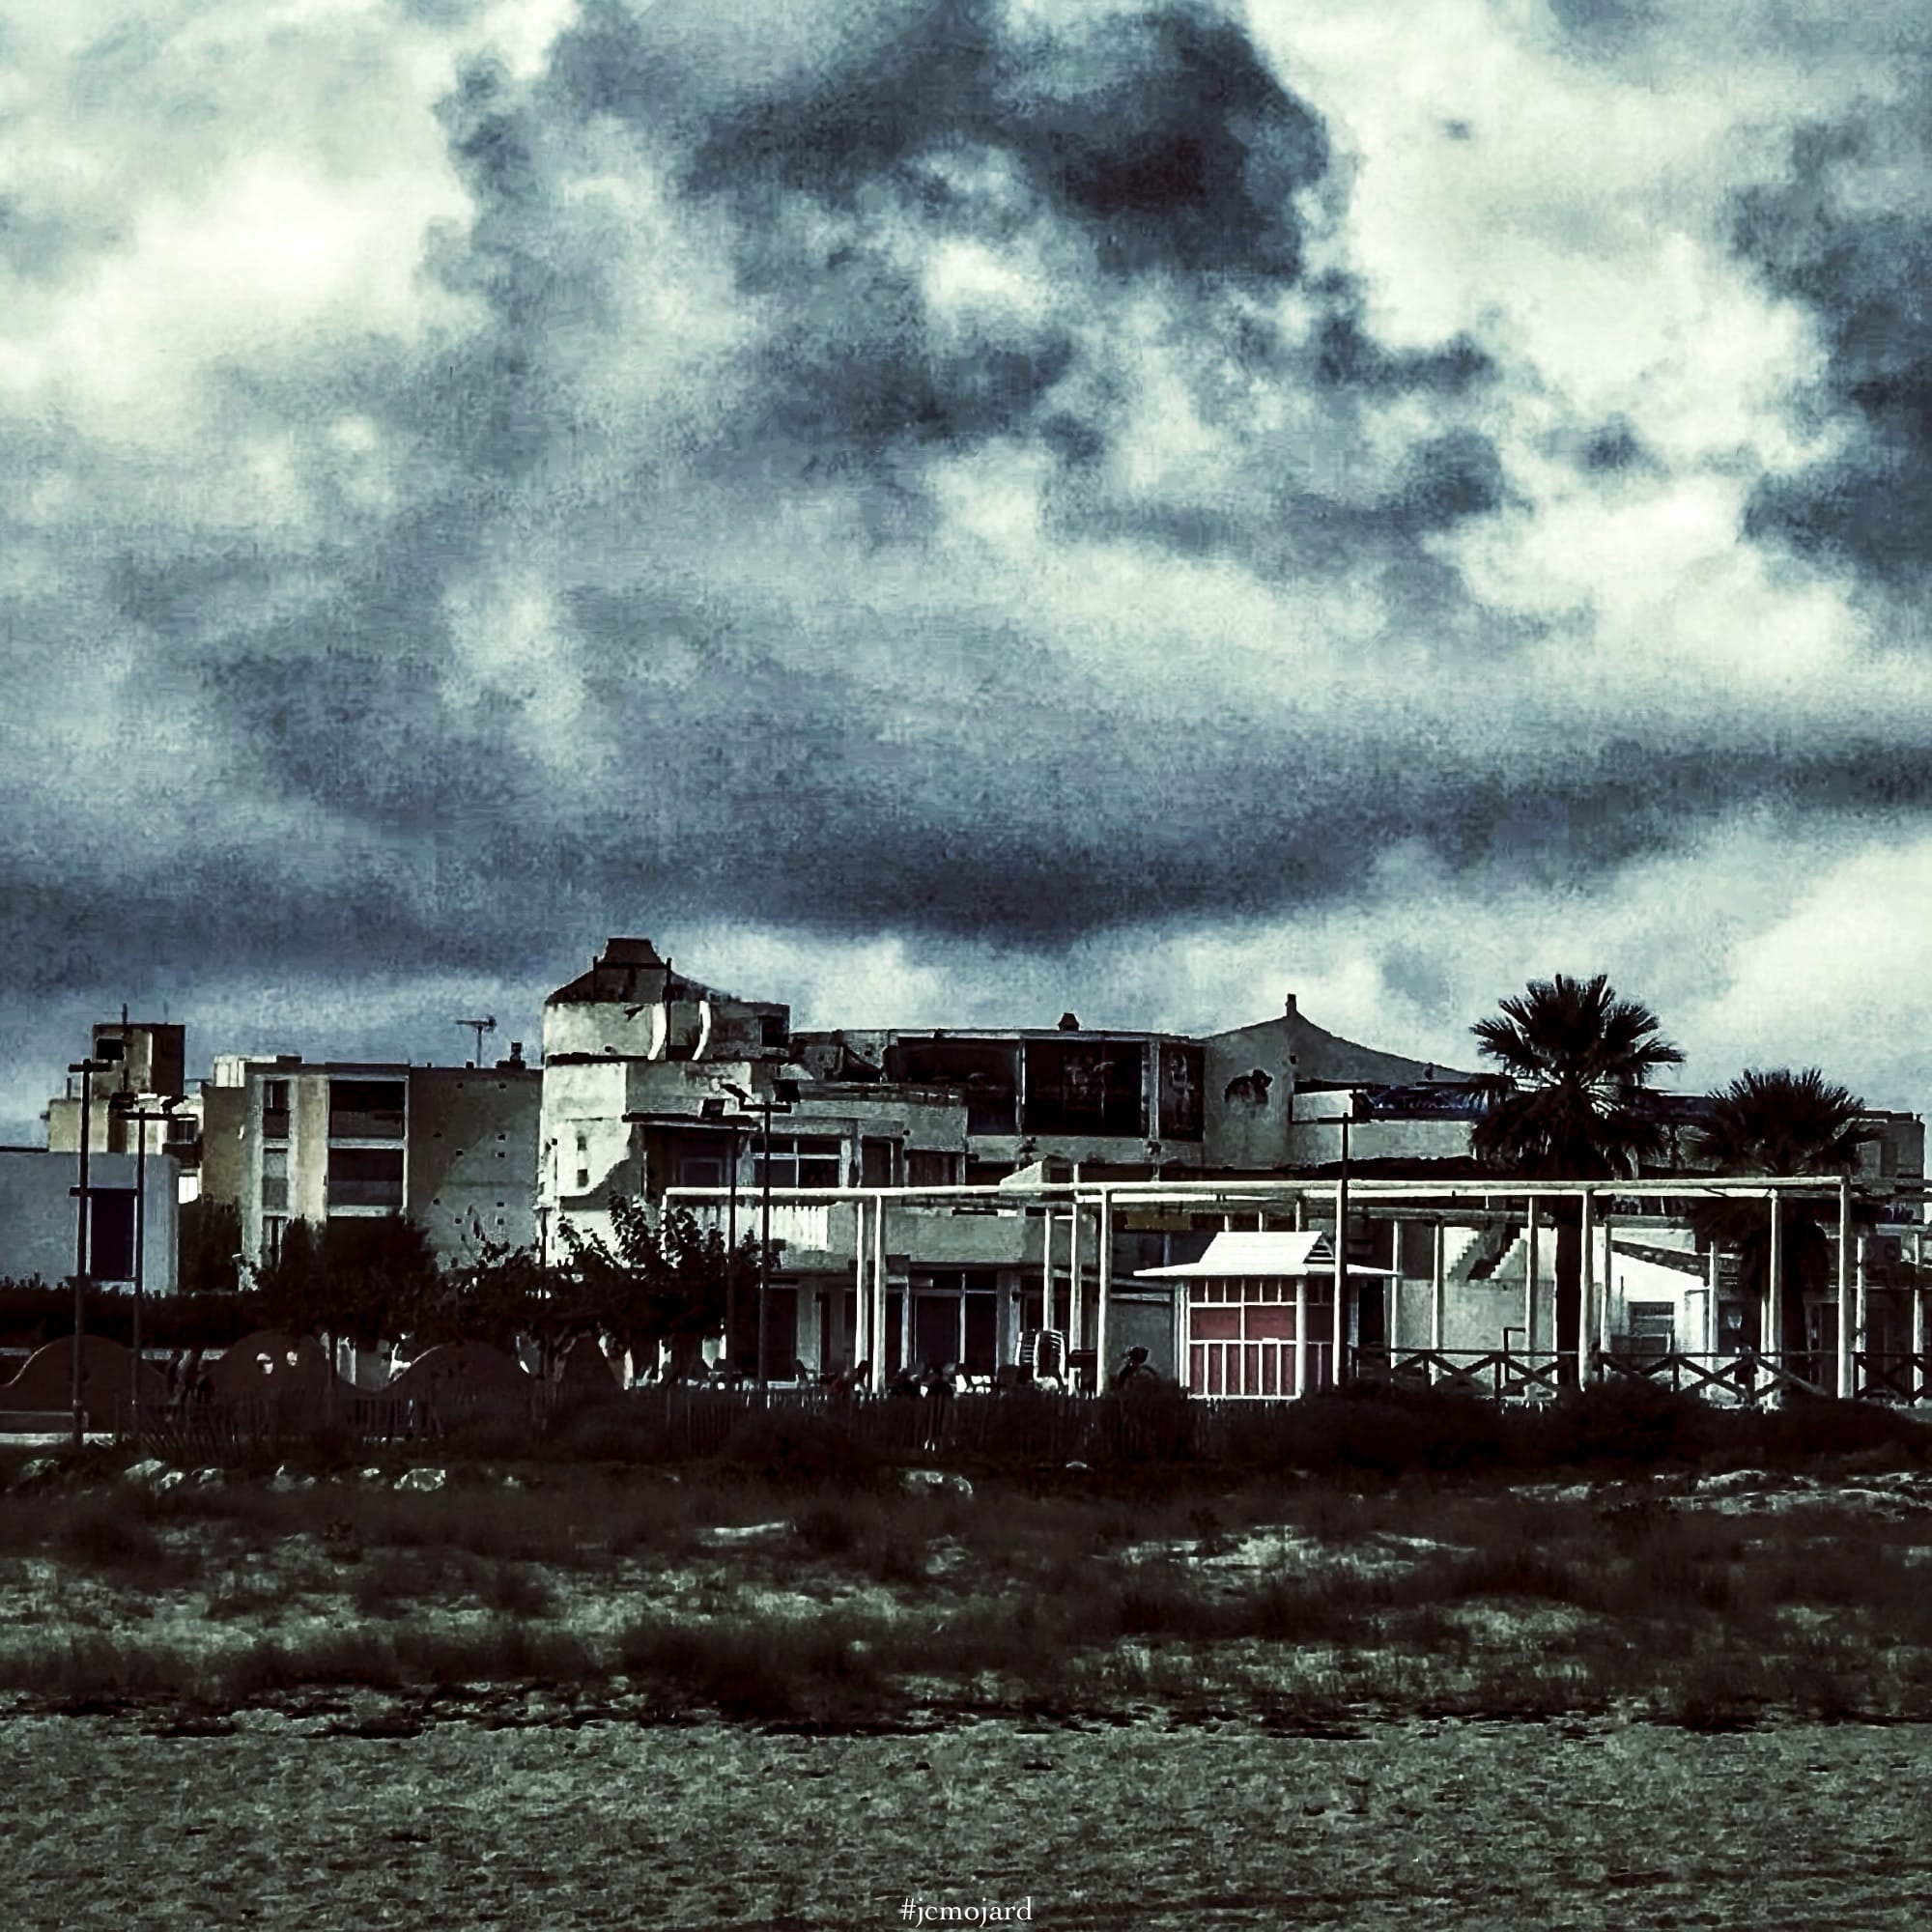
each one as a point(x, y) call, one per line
point(481, 1028)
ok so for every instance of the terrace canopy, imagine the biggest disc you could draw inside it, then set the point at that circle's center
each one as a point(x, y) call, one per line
point(1259, 1316)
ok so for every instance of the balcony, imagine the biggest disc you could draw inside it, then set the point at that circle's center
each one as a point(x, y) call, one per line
point(796, 1225)
point(364, 1194)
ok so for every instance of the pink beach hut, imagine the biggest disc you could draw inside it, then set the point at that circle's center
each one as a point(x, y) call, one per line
point(1257, 1314)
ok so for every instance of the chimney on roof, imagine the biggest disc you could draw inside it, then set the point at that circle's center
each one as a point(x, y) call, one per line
point(1068, 1023)
point(1287, 1008)
point(516, 1059)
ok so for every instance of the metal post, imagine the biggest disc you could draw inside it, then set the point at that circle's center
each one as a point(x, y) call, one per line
point(1530, 1281)
point(1438, 1291)
point(1919, 1387)
point(878, 1350)
point(1341, 1322)
point(140, 1254)
point(765, 1246)
point(1103, 1283)
point(1075, 1300)
point(1605, 1304)
point(861, 1301)
point(1075, 1312)
point(1046, 1320)
point(732, 1263)
point(1771, 1337)
point(1861, 1328)
point(1587, 1291)
point(1302, 1334)
point(1713, 1315)
point(81, 1231)
point(1845, 1289)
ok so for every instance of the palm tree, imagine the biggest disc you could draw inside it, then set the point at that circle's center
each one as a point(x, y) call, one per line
point(1779, 1123)
point(1567, 1104)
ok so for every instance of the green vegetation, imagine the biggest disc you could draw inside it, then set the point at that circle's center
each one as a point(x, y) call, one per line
point(1566, 1103)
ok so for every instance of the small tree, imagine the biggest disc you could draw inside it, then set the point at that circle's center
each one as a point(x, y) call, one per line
point(660, 1283)
point(208, 1246)
point(367, 1279)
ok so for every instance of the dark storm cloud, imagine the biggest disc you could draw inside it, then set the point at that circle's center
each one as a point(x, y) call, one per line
point(1149, 158)
point(1162, 135)
point(1351, 359)
point(1614, 447)
point(1603, 22)
point(657, 599)
point(1848, 233)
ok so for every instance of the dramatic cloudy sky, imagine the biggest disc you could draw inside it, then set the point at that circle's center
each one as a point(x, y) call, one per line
point(945, 512)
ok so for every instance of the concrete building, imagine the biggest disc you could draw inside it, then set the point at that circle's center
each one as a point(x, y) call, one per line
point(38, 1222)
point(454, 1149)
point(652, 1083)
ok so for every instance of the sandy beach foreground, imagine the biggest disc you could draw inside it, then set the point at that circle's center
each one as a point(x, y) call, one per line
point(281, 1822)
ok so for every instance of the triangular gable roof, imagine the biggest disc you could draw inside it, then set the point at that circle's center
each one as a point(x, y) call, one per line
point(1254, 1253)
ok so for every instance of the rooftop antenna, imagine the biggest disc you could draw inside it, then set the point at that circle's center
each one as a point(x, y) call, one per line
point(481, 1028)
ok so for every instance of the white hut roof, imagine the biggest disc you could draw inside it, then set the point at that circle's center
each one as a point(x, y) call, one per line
point(1260, 1254)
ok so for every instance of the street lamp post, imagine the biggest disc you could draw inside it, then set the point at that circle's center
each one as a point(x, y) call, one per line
point(714, 1110)
point(131, 1111)
point(780, 1094)
point(87, 1070)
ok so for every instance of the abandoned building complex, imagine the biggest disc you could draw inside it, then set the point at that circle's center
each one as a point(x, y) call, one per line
point(922, 1182)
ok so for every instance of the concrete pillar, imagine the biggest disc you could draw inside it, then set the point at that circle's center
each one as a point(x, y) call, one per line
point(1713, 1312)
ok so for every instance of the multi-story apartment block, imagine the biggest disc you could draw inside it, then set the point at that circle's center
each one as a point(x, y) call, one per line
point(452, 1147)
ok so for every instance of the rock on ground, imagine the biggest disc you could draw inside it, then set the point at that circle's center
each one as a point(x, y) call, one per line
point(935, 1482)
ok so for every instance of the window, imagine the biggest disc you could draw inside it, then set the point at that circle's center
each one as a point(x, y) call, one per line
point(985, 1073)
point(924, 1169)
point(365, 1178)
point(274, 1110)
point(801, 1161)
point(700, 1170)
point(875, 1163)
point(275, 1179)
point(366, 1110)
point(1083, 1086)
point(273, 1226)
point(1653, 1327)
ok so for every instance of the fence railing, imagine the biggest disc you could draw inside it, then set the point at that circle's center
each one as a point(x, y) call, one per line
point(679, 1421)
point(1502, 1375)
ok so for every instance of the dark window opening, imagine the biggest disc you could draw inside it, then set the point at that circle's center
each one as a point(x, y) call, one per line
point(365, 1178)
point(366, 1110)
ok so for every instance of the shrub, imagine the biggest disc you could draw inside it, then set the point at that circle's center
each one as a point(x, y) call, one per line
point(792, 1450)
point(1622, 1423)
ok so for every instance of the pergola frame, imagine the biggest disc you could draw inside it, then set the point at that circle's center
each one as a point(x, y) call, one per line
point(1486, 1199)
